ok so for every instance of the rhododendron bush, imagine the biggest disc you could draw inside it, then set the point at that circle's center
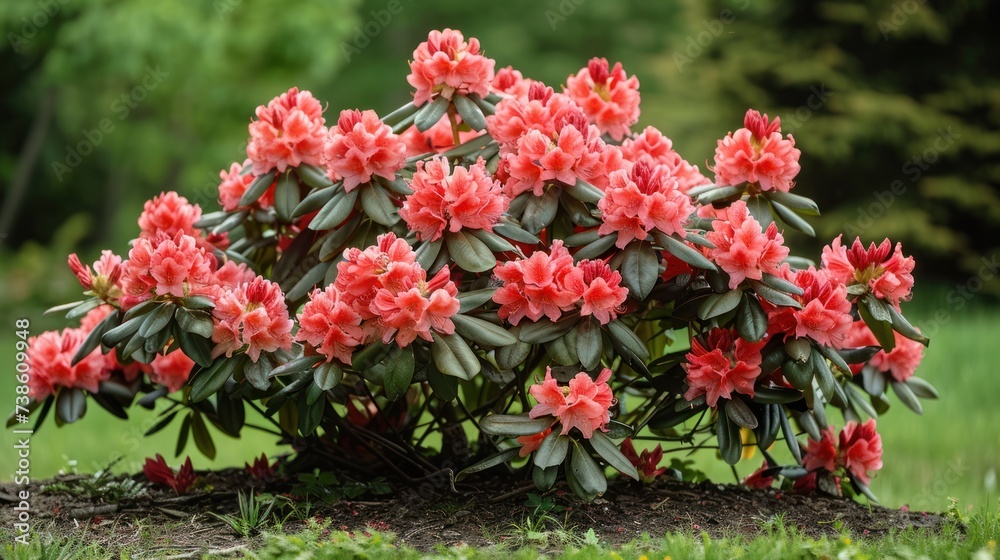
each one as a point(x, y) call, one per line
point(498, 275)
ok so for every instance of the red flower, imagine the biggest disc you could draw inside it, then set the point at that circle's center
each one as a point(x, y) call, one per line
point(529, 444)
point(884, 270)
point(104, 279)
point(742, 249)
point(757, 479)
point(511, 82)
point(861, 449)
point(653, 146)
point(330, 325)
point(446, 64)
point(757, 154)
point(646, 463)
point(541, 110)
point(822, 454)
point(171, 370)
point(641, 200)
point(583, 404)
point(169, 213)
point(416, 307)
point(722, 364)
point(603, 294)
point(159, 473)
point(288, 131)
point(361, 146)
point(50, 356)
point(235, 182)
point(253, 316)
point(452, 200)
point(901, 363)
point(825, 315)
point(541, 285)
point(609, 98)
point(261, 469)
point(165, 265)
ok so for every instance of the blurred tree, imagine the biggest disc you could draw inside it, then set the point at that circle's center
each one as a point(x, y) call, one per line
point(143, 97)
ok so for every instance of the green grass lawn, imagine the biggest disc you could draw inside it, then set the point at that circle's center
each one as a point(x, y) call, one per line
point(953, 450)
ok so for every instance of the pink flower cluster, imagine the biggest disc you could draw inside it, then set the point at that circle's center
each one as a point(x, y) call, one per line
point(651, 145)
point(171, 370)
point(289, 131)
point(50, 357)
point(446, 64)
point(639, 201)
point(900, 363)
point(720, 364)
point(884, 270)
point(757, 154)
point(609, 98)
point(858, 449)
point(361, 146)
point(235, 182)
point(583, 404)
point(825, 315)
point(445, 199)
point(548, 284)
point(742, 248)
point(253, 317)
point(165, 265)
point(381, 293)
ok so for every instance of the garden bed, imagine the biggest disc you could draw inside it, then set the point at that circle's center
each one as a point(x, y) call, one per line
point(482, 514)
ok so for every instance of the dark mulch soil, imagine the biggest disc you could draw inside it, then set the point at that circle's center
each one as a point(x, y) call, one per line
point(480, 514)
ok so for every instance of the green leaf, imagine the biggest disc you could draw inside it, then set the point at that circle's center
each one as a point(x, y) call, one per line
point(328, 375)
point(157, 320)
point(626, 338)
point(301, 363)
point(799, 204)
point(452, 356)
point(793, 220)
point(544, 479)
point(314, 177)
point(314, 201)
point(751, 320)
point(684, 252)
point(589, 343)
point(835, 357)
point(640, 269)
point(552, 451)
point(202, 439)
point(585, 237)
point(781, 284)
point(584, 473)
point(540, 210)
point(286, 196)
point(71, 404)
point(824, 377)
point(903, 327)
point(612, 455)
point(877, 308)
point(760, 210)
point(309, 280)
point(258, 373)
point(790, 441)
point(719, 304)
point(730, 441)
point(482, 332)
point(719, 193)
point(882, 329)
point(769, 395)
point(514, 425)
point(196, 347)
point(378, 206)
point(208, 381)
point(196, 302)
point(82, 309)
point(232, 222)
point(122, 332)
point(739, 412)
point(471, 114)
point(773, 296)
point(545, 330)
point(93, 339)
point(231, 411)
point(429, 115)
point(469, 252)
point(489, 462)
point(768, 425)
point(398, 115)
point(444, 386)
point(334, 212)
point(428, 252)
point(595, 249)
point(161, 423)
point(798, 374)
point(493, 241)
point(182, 434)
point(515, 232)
point(509, 357)
point(798, 349)
point(474, 299)
point(922, 388)
point(468, 148)
point(907, 397)
point(257, 188)
point(584, 192)
point(398, 372)
point(195, 322)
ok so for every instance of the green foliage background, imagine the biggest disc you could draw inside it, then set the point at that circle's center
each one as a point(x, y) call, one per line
point(895, 105)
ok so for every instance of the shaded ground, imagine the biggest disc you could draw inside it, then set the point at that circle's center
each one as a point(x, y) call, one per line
point(484, 513)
